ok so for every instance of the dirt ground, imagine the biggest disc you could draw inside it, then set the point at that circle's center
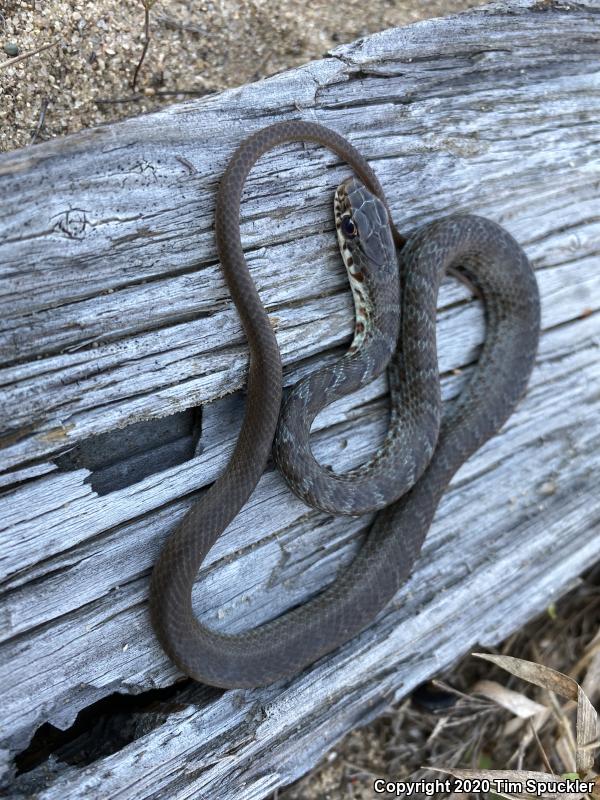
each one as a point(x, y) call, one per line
point(85, 75)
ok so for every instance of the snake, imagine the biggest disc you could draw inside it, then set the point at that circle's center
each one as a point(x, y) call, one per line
point(394, 280)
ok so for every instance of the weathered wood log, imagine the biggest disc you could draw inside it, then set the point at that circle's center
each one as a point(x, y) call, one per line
point(115, 314)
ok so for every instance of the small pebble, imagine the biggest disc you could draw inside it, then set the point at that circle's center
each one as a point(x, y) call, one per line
point(548, 488)
point(11, 49)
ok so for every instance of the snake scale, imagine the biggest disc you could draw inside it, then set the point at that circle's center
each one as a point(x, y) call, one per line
point(395, 299)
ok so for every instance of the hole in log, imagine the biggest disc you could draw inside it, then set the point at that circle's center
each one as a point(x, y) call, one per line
point(105, 727)
point(123, 457)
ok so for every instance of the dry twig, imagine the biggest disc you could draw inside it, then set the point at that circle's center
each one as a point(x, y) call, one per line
point(41, 121)
point(28, 54)
point(147, 6)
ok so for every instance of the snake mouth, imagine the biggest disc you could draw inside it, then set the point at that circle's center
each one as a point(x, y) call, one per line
point(342, 207)
point(351, 249)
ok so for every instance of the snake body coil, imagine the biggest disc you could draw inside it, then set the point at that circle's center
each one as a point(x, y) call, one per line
point(413, 452)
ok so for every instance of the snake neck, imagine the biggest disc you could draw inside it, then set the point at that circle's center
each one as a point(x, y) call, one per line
point(376, 315)
point(364, 311)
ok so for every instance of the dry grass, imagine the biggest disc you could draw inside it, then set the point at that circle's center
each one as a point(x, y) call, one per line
point(477, 732)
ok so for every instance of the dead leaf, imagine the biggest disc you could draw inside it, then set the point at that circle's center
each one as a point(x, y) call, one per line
point(544, 677)
point(588, 725)
point(512, 701)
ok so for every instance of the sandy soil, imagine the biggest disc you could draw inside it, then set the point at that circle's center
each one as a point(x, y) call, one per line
point(85, 75)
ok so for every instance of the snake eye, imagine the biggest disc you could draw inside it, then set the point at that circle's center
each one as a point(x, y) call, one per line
point(348, 227)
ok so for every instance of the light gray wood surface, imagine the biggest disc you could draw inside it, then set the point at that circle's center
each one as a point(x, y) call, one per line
point(114, 311)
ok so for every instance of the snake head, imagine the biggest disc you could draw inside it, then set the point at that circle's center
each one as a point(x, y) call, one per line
point(368, 251)
point(363, 229)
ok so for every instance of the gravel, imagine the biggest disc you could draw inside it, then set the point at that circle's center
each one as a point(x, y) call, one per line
point(84, 76)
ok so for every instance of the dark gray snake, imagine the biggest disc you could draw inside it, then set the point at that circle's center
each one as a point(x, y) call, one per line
point(408, 475)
